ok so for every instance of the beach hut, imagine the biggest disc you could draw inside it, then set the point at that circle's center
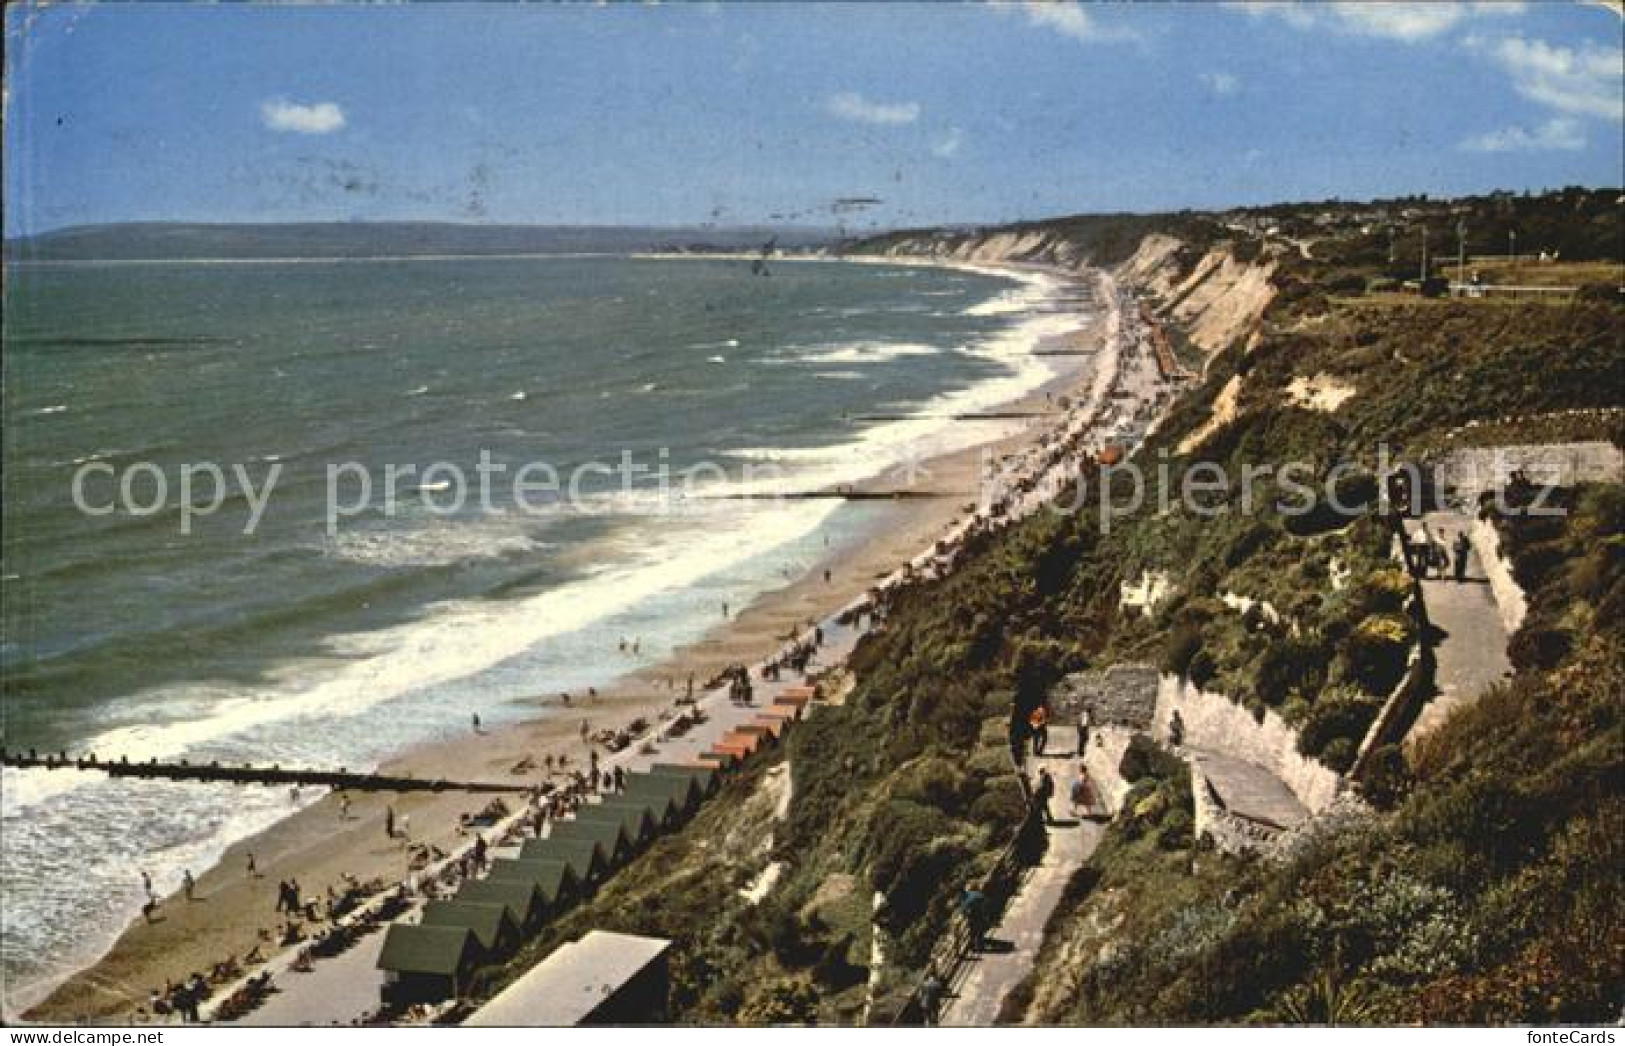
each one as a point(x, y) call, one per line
point(705, 776)
point(523, 899)
point(684, 794)
point(663, 806)
point(784, 715)
point(765, 727)
point(636, 818)
point(427, 964)
point(556, 878)
point(495, 926)
point(611, 836)
point(586, 858)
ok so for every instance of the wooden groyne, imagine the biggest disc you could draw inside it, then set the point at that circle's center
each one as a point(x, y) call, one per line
point(843, 495)
point(986, 415)
point(221, 773)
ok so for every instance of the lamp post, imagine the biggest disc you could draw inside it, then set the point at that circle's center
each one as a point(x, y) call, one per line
point(1461, 251)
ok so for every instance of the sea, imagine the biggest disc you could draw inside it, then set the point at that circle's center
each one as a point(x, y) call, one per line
point(344, 586)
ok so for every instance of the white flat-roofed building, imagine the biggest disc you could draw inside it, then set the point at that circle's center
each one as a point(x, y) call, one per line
point(602, 978)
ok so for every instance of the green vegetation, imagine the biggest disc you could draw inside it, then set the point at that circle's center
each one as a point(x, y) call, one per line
point(1483, 886)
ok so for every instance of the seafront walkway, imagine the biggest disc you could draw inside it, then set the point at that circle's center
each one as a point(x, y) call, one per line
point(346, 989)
point(986, 977)
point(1469, 638)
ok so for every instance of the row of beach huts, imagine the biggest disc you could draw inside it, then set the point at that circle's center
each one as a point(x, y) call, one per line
point(489, 919)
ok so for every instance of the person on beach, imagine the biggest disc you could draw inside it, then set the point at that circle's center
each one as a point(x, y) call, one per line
point(389, 822)
point(146, 884)
point(344, 806)
point(689, 693)
point(586, 729)
point(253, 872)
point(476, 718)
point(724, 611)
point(188, 884)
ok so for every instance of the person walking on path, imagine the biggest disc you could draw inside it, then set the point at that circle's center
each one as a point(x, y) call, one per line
point(1464, 548)
point(930, 997)
point(1083, 799)
point(1039, 723)
point(973, 909)
point(1043, 793)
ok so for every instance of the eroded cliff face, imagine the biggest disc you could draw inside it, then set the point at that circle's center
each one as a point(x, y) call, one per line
point(1209, 293)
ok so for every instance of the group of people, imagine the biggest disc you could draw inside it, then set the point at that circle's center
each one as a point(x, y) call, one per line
point(1430, 556)
point(795, 656)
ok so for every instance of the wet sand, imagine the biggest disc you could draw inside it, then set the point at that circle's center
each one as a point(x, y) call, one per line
point(317, 847)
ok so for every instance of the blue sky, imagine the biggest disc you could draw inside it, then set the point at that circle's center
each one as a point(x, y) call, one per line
point(689, 113)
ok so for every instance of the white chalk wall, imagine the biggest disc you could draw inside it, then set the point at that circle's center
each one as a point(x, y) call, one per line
point(1215, 723)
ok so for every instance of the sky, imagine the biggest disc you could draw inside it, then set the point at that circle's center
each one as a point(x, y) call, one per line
point(740, 113)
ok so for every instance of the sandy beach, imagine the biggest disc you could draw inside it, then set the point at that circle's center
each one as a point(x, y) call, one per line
point(231, 911)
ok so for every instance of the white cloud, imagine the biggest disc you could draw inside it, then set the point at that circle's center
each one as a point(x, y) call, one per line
point(948, 145)
point(1585, 80)
point(1560, 132)
point(1066, 17)
point(321, 118)
point(850, 105)
point(1222, 84)
point(1408, 22)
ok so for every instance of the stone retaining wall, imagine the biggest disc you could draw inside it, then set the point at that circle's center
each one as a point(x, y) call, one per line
point(1218, 724)
point(1509, 597)
point(1106, 747)
point(1472, 470)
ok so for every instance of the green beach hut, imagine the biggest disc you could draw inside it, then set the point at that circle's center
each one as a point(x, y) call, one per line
point(684, 794)
point(495, 926)
point(635, 818)
point(523, 899)
point(427, 964)
point(557, 879)
point(707, 778)
point(585, 857)
point(611, 837)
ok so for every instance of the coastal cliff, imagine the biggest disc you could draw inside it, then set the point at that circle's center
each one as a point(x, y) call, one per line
point(1208, 283)
point(1397, 908)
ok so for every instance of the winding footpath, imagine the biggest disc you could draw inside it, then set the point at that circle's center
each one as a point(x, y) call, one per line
point(986, 977)
point(1469, 639)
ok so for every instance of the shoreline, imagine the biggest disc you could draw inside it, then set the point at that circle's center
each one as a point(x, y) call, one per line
point(317, 847)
